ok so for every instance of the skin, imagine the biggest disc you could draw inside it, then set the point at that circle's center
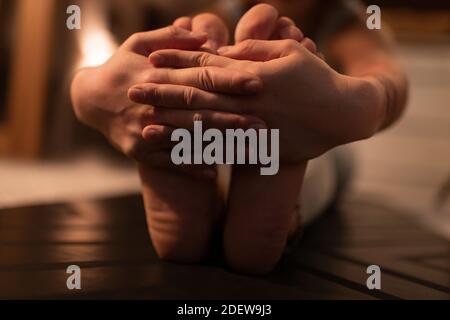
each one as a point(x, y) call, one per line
point(335, 109)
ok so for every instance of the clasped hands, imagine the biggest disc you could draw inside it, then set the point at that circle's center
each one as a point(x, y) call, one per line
point(280, 84)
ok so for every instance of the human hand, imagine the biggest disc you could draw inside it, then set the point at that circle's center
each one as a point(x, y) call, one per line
point(315, 108)
point(100, 99)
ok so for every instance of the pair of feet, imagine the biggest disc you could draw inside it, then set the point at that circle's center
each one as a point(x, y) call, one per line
point(261, 211)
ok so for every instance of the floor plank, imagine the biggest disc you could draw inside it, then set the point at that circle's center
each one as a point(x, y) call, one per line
point(113, 249)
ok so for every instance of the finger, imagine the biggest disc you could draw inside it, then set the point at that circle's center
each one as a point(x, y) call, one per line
point(284, 22)
point(291, 32)
point(170, 58)
point(183, 97)
point(258, 23)
point(259, 50)
point(286, 29)
point(184, 23)
point(310, 45)
point(211, 79)
point(210, 119)
point(158, 135)
point(216, 29)
point(170, 37)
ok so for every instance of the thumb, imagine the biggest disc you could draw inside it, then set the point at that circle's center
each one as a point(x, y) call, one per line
point(184, 23)
point(259, 23)
point(216, 29)
point(170, 37)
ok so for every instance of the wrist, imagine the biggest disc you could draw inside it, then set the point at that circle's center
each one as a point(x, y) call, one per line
point(380, 102)
point(85, 97)
point(81, 95)
point(369, 101)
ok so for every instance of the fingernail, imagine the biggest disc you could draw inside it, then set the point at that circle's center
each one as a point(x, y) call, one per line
point(253, 85)
point(223, 50)
point(136, 94)
point(148, 133)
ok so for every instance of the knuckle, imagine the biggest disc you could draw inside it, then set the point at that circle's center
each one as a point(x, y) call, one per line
point(154, 93)
point(205, 79)
point(247, 45)
point(202, 59)
point(199, 117)
point(189, 96)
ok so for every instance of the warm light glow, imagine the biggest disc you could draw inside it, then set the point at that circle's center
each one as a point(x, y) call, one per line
point(97, 47)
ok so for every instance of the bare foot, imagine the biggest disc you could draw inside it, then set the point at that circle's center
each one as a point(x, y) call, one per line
point(260, 216)
point(181, 213)
point(262, 209)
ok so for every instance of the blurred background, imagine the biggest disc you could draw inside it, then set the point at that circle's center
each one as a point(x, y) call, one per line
point(47, 156)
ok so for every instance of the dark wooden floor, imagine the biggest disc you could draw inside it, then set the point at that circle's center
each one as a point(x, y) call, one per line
point(109, 241)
